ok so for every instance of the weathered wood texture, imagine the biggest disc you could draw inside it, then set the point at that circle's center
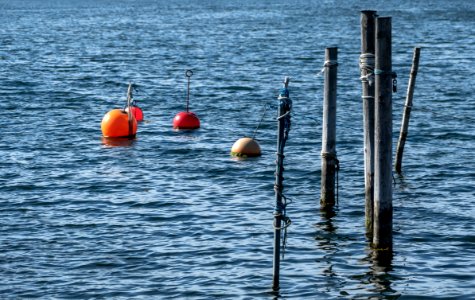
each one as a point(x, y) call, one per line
point(367, 68)
point(329, 159)
point(383, 209)
point(407, 110)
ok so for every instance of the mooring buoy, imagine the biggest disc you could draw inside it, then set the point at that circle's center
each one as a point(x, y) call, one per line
point(120, 122)
point(246, 147)
point(186, 119)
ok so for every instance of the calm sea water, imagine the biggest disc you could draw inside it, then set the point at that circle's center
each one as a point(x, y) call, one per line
point(171, 214)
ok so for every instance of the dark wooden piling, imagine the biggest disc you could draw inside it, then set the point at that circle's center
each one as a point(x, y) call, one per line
point(329, 158)
point(383, 209)
point(281, 221)
point(407, 110)
point(368, 18)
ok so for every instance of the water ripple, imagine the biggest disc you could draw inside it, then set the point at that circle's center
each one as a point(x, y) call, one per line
point(171, 214)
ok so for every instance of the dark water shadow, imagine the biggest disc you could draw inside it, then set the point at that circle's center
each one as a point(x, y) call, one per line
point(118, 142)
point(378, 279)
point(275, 294)
point(399, 179)
point(327, 239)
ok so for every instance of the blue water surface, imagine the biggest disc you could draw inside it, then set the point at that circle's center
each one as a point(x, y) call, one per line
point(171, 215)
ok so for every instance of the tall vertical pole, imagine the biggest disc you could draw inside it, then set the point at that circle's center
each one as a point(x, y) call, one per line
point(329, 159)
point(383, 208)
point(407, 109)
point(367, 80)
point(280, 218)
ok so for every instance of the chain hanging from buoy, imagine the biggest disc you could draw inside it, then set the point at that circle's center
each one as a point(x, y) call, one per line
point(186, 119)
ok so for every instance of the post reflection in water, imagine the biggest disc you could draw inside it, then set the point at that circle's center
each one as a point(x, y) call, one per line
point(375, 280)
point(327, 241)
point(381, 276)
point(378, 279)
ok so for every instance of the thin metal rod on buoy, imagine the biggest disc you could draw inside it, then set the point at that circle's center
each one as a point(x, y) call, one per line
point(188, 74)
point(129, 109)
point(407, 110)
point(329, 158)
point(279, 212)
point(383, 208)
point(368, 18)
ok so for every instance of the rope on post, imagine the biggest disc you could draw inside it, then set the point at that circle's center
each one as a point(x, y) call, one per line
point(328, 64)
point(281, 220)
point(367, 61)
point(281, 204)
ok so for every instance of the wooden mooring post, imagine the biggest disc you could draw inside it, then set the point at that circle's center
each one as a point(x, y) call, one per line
point(407, 110)
point(281, 221)
point(329, 158)
point(368, 18)
point(383, 208)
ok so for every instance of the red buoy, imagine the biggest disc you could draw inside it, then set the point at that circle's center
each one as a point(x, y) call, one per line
point(137, 112)
point(186, 120)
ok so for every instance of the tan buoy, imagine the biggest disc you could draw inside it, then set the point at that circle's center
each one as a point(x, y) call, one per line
point(246, 147)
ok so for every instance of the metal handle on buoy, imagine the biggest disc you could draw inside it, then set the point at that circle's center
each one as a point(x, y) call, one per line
point(188, 74)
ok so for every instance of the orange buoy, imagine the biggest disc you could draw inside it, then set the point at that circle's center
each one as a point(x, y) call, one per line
point(136, 111)
point(116, 123)
point(186, 120)
point(246, 147)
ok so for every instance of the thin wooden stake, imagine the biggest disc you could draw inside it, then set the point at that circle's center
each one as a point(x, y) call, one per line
point(329, 159)
point(367, 80)
point(407, 110)
point(383, 209)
